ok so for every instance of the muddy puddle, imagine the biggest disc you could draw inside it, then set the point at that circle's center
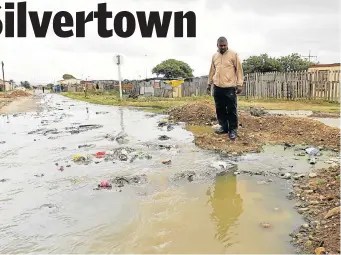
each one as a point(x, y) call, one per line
point(166, 195)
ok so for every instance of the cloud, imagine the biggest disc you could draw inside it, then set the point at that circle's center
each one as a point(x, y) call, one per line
point(253, 28)
point(273, 7)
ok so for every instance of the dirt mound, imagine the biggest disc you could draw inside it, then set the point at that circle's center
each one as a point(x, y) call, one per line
point(199, 113)
point(254, 131)
point(321, 208)
point(15, 93)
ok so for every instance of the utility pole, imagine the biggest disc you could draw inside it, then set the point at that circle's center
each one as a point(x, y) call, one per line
point(146, 66)
point(3, 75)
point(310, 56)
point(119, 74)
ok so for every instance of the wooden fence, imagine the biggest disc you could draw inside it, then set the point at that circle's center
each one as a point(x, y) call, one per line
point(294, 85)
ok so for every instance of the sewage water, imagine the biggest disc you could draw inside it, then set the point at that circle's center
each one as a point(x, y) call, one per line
point(45, 210)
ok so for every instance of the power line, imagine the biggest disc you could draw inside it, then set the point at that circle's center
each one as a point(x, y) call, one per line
point(310, 56)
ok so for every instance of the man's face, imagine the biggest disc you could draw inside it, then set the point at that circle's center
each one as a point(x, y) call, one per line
point(222, 46)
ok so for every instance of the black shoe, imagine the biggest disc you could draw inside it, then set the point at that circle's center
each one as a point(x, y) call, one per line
point(233, 134)
point(221, 131)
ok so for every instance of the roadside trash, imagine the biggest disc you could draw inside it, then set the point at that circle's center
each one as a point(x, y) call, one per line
point(164, 137)
point(312, 161)
point(100, 154)
point(104, 184)
point(39, 175)
point(61, 169)
point(102, 112)
point(86, 146)
point(163, 123)
point(80, 158)
point(166, 162)
point(312, 151)
point(300, 154)
point(265, 225)
point(170, 127)
point(285, 176)
point(2, 142)
point(220, 165)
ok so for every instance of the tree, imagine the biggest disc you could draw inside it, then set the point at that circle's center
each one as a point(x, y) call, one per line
point(49, 86)
point(172, 68)
point(68, 76)
point(294, 62)
point(263, 63)
point(25, 84)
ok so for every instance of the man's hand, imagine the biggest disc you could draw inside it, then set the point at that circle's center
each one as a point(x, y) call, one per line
point(208, 90)
point(239, 89)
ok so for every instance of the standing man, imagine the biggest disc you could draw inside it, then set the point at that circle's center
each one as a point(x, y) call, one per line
point(226, 76)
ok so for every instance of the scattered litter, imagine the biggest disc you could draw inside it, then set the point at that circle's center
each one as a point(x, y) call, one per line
point(312, 151)
point(312, 161)
point(265, 225)
point(166, 162)
point(100, 154)
point(164, 138)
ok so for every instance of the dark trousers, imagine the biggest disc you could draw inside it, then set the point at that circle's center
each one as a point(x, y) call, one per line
point(226, 107)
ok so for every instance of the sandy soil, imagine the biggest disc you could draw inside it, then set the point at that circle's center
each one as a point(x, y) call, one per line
point(255, 131)
point(18, 105)
point(319, 202)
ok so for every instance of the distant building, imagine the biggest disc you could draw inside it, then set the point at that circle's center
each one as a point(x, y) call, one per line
point(8, 85)
point(69, 82)
point(325, 67)
point(326, 72)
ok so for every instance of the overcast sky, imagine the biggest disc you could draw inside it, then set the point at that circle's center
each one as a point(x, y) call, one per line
point(251, 27)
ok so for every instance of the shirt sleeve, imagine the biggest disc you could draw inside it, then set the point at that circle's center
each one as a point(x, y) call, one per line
point(211, 73)
point(239, 71)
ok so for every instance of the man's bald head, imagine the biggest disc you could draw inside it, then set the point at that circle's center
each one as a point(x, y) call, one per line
point(222, 44)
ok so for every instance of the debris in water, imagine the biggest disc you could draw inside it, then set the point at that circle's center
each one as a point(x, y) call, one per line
point(312, 161)
point(100, 154)
point(312, 151)
point(166, 162)
point(265, 225)
point(86, 146)
point(164, 138)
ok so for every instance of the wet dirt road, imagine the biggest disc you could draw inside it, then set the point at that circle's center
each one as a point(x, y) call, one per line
point(50, 204)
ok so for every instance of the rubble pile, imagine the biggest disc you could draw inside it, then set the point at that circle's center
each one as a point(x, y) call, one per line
point(14, 94)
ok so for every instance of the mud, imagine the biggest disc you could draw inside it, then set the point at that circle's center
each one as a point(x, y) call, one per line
point(254, 131)
point(318, 200)
point(166, 196)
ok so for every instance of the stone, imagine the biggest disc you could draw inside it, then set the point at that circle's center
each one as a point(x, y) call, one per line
point(312, 175)
point(332, 212)
point(301, 210)
point(305, 225)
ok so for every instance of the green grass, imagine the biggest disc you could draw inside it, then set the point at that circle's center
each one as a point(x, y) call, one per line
point(155, 104)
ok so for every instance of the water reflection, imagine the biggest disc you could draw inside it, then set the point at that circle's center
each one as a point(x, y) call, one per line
point(227, 206)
